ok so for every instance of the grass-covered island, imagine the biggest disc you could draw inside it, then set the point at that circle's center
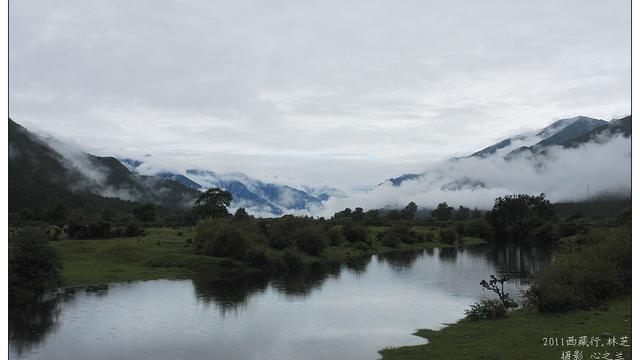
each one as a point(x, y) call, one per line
point(169, 253)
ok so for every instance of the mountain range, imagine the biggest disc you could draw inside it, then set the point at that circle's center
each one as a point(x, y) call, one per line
point(257, 196)
point(564, 133)
point(45, 172)
point(46, 175)
point(50, 176)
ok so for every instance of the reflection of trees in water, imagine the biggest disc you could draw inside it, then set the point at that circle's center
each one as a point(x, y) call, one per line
point(302, 283)
point(449, 254)
point(30, 323)
point(229, 294)
point(400, 260)
point(32, 320)
point(518, 258)
point(233, 294)
point(357, 265)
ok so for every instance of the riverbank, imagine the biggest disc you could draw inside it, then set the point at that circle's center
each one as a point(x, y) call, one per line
point(520, 335)
point(166, 253)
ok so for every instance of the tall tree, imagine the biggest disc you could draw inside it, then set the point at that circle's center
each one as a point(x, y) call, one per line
point(409, 211)
point(213, 203)
point(515, 216)
point(443, 212)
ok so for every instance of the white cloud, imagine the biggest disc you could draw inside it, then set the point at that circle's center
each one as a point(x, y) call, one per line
point(562, 174)
point(331, 92)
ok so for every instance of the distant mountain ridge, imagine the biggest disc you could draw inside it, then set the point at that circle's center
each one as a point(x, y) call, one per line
point(41, 178)
point(566, 133)
point(255, 195)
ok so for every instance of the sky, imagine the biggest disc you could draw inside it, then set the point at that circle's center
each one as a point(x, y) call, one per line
point(337, 93)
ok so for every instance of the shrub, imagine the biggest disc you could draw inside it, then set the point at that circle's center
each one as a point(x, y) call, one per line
point(448, 235)
point(361, 245)
point(292, 260)
point(33, 264)
point(570, 228)
point(355, 233)
point(460, 228)
point(546, 234)
point(220, 238)
point(427, 237)
point(336, 237)
point(281, 232)
point(486, 309)
point(403, 232)
point(479, 228)
point(584, 278)
point(53, 233)
point(258, 257)
point(390, 239)
point(311, 240)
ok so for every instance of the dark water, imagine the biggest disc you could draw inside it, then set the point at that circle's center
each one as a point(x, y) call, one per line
point(342, 311)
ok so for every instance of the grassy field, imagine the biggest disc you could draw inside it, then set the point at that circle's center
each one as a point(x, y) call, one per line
point(168, 253)
point(520, 335)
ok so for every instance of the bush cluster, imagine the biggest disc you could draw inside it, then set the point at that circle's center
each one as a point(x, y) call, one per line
point(584, 278)
point(486, 309)
point(33, 264)
point(448, 235)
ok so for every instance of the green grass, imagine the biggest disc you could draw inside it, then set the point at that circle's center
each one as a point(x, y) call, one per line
point(163, 253)
point(520, 335)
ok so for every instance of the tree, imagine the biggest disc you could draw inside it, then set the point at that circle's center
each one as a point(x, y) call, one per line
point(492, 285)
point(448, 235)
point(355, 233)
point(443, 212)
point(515, 216)
point(33, 264)
point(409, 211)
point(311, 240)
point(145, 212)
point(213, 203)
point(476, 214)
point(241, 215)
point(372, 217)
point(358, 214)
point(463, 213)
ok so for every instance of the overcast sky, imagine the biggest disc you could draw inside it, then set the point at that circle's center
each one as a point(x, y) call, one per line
point(341, 93)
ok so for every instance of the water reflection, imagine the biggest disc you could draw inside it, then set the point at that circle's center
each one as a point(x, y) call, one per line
point(32, 320)
point(354, 308)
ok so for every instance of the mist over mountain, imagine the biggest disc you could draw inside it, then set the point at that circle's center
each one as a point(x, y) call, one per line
point(260, 198)
point(570, 160)
point(45, 174)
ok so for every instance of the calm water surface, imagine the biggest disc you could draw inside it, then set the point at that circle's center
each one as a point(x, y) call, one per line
point(342, 311)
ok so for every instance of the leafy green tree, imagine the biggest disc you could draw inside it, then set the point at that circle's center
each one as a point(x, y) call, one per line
point(241, 215)
point(358, 214)
point(213, 203)
point(443, 212)
point(311, 240)
point(476, 214)
point(355, 233)
point(372, 217)
point(448, 235)
point(33, 264)
point(336, 237)
point(462, 213)
point(516, 216)
point(409, 211)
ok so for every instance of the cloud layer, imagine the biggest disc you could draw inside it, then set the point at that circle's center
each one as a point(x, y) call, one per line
point(593, 169)
point(318, 92)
